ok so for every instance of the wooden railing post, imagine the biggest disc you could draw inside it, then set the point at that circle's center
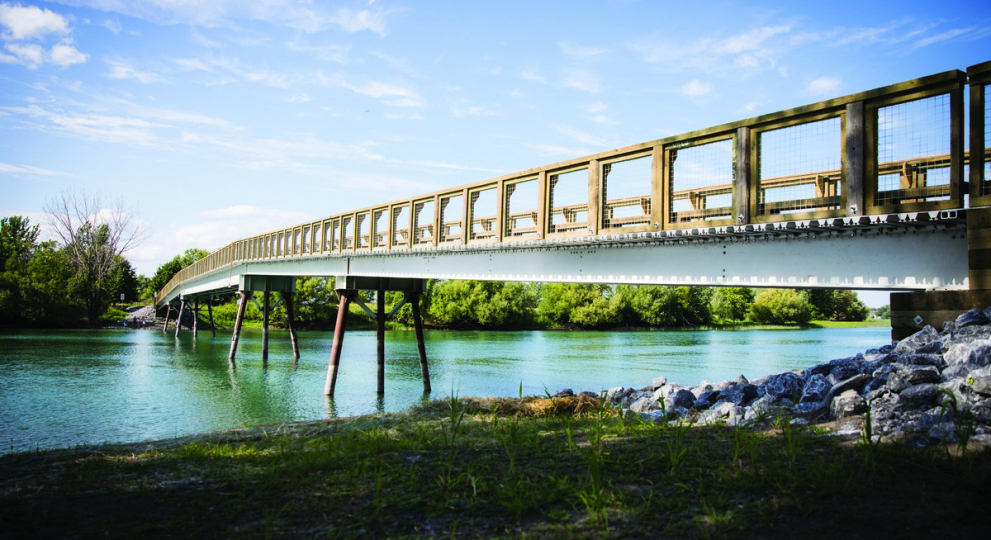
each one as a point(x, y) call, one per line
point(742, 192)
point(855, 163)
point(593, 197)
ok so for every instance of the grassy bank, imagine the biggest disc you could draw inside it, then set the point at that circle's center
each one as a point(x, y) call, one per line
point(534, 468)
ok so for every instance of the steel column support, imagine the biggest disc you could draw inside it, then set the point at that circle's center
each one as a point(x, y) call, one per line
point(168, 313)
point(291, 319)
point(241, 305)
point(335, 350)
point(265, 309)
point(178, 321)
point(196, 317)
point(380, 337)
point(209, 310)
point(420, 345)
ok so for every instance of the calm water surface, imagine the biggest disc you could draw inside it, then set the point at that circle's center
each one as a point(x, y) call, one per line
point(65, 388)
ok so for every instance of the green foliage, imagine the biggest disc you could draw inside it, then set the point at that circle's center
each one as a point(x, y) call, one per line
point(732, 303)
point(836, 305)
point(653, 305)
point(883, 312)
point(487, 304)
point(779, 306)
point(167, 270)
point(581, 304)
point(35, 280)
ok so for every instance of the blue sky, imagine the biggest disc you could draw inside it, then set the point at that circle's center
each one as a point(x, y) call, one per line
point(217, 119)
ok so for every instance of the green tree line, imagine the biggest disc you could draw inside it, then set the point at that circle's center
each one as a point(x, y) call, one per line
point(44, 284)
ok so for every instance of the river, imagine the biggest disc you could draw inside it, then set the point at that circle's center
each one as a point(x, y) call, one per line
point(66, 388)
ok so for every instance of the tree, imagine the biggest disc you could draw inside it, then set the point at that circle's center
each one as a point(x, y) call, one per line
point(94, 236)
point(779, 306)
point(489, 304)
point(732, 303)
point(17, 242)
point(836, 305)
point(166, 271)
point(581, 304)
point(883, 312)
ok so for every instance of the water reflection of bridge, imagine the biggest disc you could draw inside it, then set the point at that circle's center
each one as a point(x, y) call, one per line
point(875, 190)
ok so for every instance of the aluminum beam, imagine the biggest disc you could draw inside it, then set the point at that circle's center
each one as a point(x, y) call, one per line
point(883, 258)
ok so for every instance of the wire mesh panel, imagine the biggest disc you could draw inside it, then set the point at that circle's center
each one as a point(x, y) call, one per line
point(986, 183)
point(484, 214)
point(380, 227)
point(423, 223)
point(400, 226)
point(334, 235)
point(348, 233)
point(701, 180)
point(281, 247)
point(450, 218)
point(521, 209)
point(568, 201)
point(799, 167)
point(297, 241)
point(364, 225)
point(626, 187)
point(306, 240)
point(913, 151)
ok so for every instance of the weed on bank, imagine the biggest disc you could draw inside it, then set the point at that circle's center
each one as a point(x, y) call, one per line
point(494, 468)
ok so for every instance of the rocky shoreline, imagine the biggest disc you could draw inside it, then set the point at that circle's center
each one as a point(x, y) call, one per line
point(934, 386)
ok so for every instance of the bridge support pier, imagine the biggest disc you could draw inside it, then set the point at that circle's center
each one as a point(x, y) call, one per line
point(420, 345)
point(242, 304)
point(196, 317)
point(168, 313)
point(291, 319)
point(411, 289)
point(380, 338)
point(266, 297)
point(178, 321)
point(209, 310)
point(912, 311)
point(344, 301)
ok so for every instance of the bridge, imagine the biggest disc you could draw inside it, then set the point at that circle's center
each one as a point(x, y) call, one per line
point(874, 190)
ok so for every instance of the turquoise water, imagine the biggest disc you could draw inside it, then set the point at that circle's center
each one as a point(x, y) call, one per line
point(63, 388)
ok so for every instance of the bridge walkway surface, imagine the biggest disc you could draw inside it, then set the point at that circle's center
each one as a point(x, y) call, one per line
point(882, 189)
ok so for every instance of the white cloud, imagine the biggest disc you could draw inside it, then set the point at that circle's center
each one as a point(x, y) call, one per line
point(555, 150)
point(824, 86)
point(30, 22)
point(122, 70)
point(391, 94)
point(65, 55)
point(581, 79)
point(399, 64)
point(532, 75)
point(472, 111)
point(943, 36)
point(582, 136)
point(226, 67)
point(753, 50)
point(580, 52)
point(328, 53)
point(30, 55)
point(696, 88)
point(597, 107)
point(23, 171)
point(306, 15)
point(112, 24)
point(300, 98)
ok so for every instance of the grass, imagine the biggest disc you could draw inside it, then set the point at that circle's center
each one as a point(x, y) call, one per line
point(491, 468)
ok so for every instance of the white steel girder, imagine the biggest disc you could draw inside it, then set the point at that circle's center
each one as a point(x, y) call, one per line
point(884, 259)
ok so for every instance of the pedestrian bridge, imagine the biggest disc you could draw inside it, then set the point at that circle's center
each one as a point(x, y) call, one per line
point(866, 191)
point(886, 189)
